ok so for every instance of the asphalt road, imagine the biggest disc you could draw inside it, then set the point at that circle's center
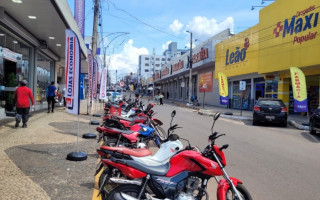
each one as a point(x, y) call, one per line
point(273, 162)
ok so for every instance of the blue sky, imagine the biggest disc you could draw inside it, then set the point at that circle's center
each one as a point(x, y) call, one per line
point(153, 24)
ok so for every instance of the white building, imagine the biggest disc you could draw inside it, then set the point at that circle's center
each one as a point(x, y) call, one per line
point(148, 62)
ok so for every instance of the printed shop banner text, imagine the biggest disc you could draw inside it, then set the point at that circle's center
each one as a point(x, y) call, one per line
point(289, 35)
point(205, 82)
point(223, 88)
point(239, 54)
point(72, 66)
point(299, 90)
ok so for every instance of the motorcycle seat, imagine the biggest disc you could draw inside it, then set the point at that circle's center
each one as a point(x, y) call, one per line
point(128, 132)
point(159, 170)
point(132, 152)
point(126, 118)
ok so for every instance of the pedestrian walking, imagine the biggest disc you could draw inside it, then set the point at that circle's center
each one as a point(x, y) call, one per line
point(51, 93)
point(22, 96)
point(167, 94)
point(161, 98)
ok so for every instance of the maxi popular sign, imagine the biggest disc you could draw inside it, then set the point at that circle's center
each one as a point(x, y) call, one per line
point(305, 20)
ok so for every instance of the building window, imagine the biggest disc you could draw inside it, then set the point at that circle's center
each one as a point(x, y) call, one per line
point(146, 70)
point(146, 58)
point(163, 59)
point(147, 64)
point(168, 59)
point(157, 59)
point(157, 65)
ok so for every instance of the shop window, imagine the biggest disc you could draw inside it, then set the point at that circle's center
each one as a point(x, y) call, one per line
point(237, 94)
point(43, 77)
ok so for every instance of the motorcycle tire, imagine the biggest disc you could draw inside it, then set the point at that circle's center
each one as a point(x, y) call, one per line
point(132, 190)
point(107, 185)
point(230, 195)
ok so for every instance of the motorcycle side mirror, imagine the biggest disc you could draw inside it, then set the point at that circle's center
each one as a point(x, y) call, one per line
point(215, 117)
point(173, 137)
point(173, 113)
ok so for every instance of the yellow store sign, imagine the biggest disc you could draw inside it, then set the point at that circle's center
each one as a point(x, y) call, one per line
point(289, 35)
point(239, 54)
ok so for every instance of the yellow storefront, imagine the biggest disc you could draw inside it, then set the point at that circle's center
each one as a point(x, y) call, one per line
point(287, 36)
point(238, 56)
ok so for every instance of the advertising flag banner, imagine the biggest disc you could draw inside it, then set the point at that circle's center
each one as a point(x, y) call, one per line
point(223, 88)
point(299, 90)
point(90, 70)
point(79, 15)
point(94, 79)
point(72, 66)
point(103, 84)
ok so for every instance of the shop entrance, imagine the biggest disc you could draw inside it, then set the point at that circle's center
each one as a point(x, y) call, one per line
point(260, 89)
point(9, 67)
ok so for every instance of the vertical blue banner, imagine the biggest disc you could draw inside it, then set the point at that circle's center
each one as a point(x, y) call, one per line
point(79, 15)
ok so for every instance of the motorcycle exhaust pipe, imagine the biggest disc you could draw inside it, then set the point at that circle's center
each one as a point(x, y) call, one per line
point(124, 181)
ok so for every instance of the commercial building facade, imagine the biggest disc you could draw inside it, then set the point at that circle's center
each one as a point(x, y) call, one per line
point(32, 47)
point(286, 36)
point(173, 78)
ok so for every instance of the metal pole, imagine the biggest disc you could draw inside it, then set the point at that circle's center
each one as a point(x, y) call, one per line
point(153, 61)
point(190, 70)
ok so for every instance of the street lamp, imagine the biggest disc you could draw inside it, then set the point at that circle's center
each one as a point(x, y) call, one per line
point(190, 68)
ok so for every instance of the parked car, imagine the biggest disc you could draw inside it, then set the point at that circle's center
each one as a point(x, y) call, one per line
point(270, 110)
point(118, 96)
point(314, 124)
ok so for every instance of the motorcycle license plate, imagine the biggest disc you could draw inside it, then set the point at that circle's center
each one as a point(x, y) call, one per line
point(270, 117)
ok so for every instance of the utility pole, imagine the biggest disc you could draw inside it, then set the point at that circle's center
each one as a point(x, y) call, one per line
point(95, 28)
point(153, 64)
point(190, 66)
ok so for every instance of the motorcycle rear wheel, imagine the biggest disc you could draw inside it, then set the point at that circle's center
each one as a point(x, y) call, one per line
point(245, 195)
point(108, 186)
point(132, 190)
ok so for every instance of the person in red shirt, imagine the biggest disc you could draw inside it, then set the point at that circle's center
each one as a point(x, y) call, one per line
point(21, 96)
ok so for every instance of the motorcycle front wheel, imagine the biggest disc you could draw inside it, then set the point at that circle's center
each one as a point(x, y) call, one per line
point(245, 195)
point(132, 190)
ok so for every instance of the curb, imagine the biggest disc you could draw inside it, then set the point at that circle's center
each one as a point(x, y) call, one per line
point(212, 113)
point(298, 126)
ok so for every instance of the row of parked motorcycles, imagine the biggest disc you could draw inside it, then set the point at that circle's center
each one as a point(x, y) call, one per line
point(129, 171)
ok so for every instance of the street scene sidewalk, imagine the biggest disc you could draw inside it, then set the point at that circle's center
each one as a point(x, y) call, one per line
point(33, 161)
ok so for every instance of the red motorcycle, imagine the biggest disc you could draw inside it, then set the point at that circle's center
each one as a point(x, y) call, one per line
point(185, 176)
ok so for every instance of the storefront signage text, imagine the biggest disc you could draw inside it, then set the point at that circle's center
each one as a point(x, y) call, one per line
point(297, 84)
point(238, 55)
point(201, 55)
point(178, 66)
point(302, 21)
point(165, 72)
point(10, 55)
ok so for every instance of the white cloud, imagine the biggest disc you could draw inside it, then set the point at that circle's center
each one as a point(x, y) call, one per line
point(165, 46)
point(204, 28)
point(176, 26)
point(127, 60)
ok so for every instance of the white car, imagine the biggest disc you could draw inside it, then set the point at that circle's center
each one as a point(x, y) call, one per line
point(117, 96)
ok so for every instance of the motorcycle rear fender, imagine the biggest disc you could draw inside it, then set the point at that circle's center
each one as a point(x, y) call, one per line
point(223, 186)
point(126, 170)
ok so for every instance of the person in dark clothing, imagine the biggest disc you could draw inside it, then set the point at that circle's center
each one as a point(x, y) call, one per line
point(167, 94)
point(22, 96)
point(161, 98)
point(51, 93)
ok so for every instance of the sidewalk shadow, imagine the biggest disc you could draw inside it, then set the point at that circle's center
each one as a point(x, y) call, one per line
point(71, 128)
point(311, 138)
